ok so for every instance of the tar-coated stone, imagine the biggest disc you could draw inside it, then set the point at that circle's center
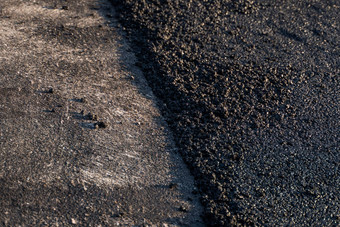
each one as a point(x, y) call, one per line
point(251, 92)
point(101, 124)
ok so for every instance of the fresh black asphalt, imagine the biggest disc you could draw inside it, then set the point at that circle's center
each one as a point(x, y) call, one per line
point(251, 92)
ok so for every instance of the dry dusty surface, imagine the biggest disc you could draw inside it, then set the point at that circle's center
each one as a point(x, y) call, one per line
point(81, 139)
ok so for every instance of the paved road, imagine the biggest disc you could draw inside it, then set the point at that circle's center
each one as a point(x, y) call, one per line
point(81, 139)
point(251, 91)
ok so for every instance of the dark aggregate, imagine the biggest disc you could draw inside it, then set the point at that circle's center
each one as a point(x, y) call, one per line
point(251, 92)
point(101, 124)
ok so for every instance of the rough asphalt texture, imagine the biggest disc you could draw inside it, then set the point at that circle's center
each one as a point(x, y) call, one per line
point(59, 165)
point(251, 91)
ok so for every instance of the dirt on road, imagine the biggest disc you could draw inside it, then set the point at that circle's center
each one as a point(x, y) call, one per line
point(81, 139)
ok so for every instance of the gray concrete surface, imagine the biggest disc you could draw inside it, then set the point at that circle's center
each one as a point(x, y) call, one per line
point(60, 61)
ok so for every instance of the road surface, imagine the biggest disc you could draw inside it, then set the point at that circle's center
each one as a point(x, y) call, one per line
point(251, 91)
point(82, 141)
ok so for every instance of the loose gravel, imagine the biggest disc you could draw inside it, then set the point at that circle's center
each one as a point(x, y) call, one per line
point(251, 91)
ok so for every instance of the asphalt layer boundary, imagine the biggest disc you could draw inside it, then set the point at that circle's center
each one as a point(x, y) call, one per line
point(275, 77)
point(171, 102)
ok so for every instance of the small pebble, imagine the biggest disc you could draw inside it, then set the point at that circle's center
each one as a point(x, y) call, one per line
point(183, 209)
point(92, 117)
point(101, 124)
point(173, 186)
point(74, 221)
